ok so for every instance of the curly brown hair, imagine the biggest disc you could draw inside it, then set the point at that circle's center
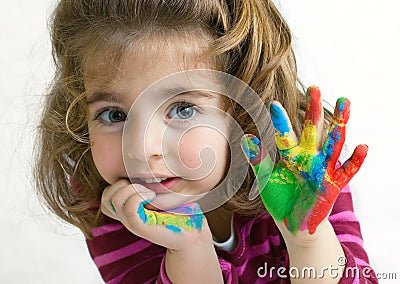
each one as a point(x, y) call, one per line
point(248, 39)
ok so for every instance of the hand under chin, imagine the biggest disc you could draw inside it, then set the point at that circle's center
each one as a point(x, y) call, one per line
point(169, 201)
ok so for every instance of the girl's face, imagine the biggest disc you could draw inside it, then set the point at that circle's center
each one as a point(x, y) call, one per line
point(160, 141)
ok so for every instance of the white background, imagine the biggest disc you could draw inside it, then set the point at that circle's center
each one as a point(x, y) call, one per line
point(348, 48)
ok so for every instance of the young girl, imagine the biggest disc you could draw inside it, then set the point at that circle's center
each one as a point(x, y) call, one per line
point(123, 147)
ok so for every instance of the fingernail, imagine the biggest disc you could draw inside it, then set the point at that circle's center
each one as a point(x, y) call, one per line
point(279, 119)
point(253, 149)
point(275, 110)
point(250, 146)
point(342, 110)
point(314, 106)
point(313, 90)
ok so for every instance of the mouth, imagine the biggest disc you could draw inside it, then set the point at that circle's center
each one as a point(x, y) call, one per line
point(158, 185)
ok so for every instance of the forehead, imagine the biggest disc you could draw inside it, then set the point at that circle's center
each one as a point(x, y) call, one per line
point(152, 58)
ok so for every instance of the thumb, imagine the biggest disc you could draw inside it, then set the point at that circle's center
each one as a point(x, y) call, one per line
point(259, 159)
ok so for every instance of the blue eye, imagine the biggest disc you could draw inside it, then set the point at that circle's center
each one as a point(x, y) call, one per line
point(109, 116)
point(182, 111)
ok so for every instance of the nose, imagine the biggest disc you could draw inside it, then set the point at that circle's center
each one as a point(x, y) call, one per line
point(143, 139)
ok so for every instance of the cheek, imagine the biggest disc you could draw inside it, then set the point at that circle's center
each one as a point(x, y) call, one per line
point(202, 145)
point(107, 156)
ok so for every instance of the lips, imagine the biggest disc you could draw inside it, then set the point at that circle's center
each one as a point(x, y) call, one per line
point(163, 186)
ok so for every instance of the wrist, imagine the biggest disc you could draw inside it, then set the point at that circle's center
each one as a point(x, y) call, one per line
point(201, 241)
point(318, 251)
point(197, 263)
point(304, 239)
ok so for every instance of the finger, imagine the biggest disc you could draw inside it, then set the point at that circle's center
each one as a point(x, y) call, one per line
point(346, 172)
point(284, 135)
point(107, 206)
point(120, 198)
point(337, 134)
point(185, 217)
point(313, 124)
point(148, 224)
point(260, 161)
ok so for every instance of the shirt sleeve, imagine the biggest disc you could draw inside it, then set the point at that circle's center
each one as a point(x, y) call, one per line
point(347, 228)
point(122, 257)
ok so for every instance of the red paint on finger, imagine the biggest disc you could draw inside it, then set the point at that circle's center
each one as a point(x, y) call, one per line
point(314, 106)
point(346, 172)
point(336, 138)
point(322, 207)
point(337, 133)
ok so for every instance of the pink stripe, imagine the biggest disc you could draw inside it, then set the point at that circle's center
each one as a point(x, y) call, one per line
point(343, 216)
point(361, 262)
point(162, 276)
point(116, 255)
point(150, 281)
point(118, 279)
point(350, 238)
point(106, 229)
point(227, 268)
point(346, 189)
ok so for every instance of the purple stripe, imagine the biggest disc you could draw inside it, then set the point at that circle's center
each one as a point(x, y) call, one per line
point(350, 238)
point(136, 266)
point(116, 255)
point(117, 280)
point(257, 250)
point(106, 229)
point(343, 216)
point(246, 230)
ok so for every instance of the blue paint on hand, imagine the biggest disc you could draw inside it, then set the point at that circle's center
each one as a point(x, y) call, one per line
point(279, 119)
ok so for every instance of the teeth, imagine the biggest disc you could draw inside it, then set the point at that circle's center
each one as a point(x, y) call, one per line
point(152, 180)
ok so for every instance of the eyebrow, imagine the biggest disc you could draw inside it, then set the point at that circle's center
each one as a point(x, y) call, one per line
point(102, 96)
point(174, 92)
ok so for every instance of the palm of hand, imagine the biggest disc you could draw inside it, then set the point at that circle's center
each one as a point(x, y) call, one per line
point(304, 184)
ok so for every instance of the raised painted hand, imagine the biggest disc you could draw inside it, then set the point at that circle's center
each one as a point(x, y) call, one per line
point(302, 187)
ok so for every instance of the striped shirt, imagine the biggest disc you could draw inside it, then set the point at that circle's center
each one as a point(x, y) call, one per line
point(259, 257)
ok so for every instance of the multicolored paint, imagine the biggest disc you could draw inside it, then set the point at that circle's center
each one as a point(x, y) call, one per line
point(187, 217)
point(305, 183)
point(112, 207)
